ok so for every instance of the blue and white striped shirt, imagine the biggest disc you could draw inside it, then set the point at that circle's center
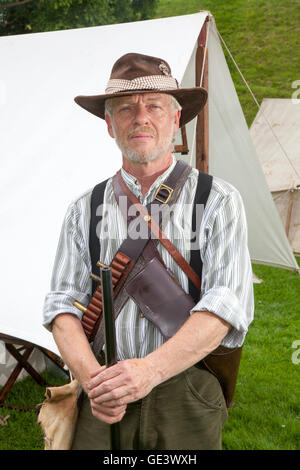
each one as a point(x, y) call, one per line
point(227, 288)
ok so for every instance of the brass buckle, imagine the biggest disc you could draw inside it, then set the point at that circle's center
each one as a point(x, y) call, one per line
point(166, 188)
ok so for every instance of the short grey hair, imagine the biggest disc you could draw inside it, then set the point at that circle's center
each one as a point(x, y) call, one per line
point(109, 105)
point(175, 104)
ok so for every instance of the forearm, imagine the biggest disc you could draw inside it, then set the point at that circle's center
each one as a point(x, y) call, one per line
point(74, 347)
point(200, 335)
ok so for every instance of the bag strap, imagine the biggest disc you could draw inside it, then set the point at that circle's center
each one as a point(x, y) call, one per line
point(156, 230)
point(193, 270)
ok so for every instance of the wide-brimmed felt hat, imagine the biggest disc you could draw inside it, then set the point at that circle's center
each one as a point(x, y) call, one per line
point(137, 73)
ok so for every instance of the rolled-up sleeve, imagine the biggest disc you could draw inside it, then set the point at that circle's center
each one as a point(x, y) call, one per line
point(71, 272)
point(227, 286)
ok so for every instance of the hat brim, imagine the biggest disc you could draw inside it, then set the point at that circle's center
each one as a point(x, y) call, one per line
point(192, 100)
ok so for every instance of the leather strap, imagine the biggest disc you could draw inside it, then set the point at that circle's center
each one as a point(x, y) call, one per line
point(133, 248)
point(203, 189)
point(96, 200)
point(156, 230)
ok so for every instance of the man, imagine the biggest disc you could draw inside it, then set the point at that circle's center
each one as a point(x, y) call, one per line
point(155, 392)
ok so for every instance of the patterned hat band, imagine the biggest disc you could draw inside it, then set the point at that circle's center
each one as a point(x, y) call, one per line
point(138, 73)
point(150, 82)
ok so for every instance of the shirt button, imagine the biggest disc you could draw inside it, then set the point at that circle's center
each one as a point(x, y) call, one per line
point(142, 315)
point(136, 182)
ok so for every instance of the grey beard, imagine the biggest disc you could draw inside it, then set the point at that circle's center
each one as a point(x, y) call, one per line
point(142, 157)
point(139, 157)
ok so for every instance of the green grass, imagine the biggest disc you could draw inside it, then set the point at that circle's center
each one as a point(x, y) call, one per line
point(22, 431)
point(266, 414)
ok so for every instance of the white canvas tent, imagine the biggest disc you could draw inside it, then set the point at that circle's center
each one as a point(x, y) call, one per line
point(52, 150)
point(275, 132)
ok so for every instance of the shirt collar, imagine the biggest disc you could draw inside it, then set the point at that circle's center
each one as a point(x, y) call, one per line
point(135, 187)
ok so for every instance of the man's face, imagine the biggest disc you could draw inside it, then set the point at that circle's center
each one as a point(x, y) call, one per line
point(143, 125)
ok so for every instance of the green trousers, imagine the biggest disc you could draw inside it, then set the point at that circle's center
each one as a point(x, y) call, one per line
point(187, 412)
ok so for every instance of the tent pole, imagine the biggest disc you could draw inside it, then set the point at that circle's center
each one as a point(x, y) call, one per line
point(202, 130)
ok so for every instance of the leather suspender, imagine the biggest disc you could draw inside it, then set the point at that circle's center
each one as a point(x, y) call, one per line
point(96, 200)
point(201, 196)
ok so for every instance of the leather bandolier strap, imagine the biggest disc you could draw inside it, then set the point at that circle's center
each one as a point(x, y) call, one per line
point(92, 316)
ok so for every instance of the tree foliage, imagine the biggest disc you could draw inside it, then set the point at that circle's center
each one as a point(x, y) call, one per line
point(31, 16)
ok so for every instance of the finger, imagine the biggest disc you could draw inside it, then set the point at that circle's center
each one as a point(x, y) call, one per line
point(123, 401)
point(109, 416)
point(102, 375)
point(107, 410)
point(98, 371)
point(115, 396)
point(106, 386)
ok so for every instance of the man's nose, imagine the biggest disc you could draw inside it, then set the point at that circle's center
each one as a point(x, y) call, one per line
point(141, 114)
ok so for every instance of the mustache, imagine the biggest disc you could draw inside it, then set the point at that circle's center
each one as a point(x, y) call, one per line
point(138, 129)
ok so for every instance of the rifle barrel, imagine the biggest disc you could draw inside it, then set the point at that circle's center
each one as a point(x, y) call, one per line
point(110, 338)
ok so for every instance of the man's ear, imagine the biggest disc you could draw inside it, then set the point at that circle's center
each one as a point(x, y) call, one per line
point(109, 126)
point(176, 121)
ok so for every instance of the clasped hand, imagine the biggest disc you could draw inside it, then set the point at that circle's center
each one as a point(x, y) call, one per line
point(111, 389)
